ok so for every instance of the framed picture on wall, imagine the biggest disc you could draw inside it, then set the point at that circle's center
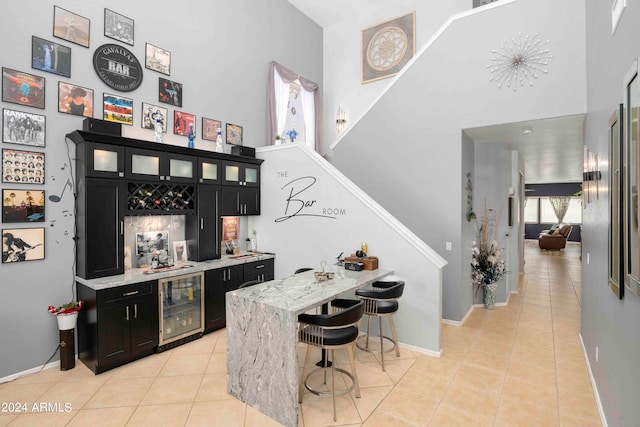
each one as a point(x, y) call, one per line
point(118, 27)
point(234, 134)
point(180, 251)
point(157, 59)
point(150, 113)
point(76, 100)
point(50, 57)
point(182, 122)
point(25, 167)
point(22, 244)
point(23, 88)
point(70, 26)
point(22, 205)
point(117, 109)
point(210, 129)
point(170, 92)
point(19, 127)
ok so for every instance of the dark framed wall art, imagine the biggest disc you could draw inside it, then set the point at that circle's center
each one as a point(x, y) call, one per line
point(70, 26)
point(157, 59)
point(22, 244)
point(234, 134)
point(23, 205)
point(26, 167)
point(150, 113)
point(50, 56)
point(210, 129)
point(170, 92)
point(23, 88)
point(19, 127)
point(76, 100)
point(118, 27)
point(117, 109)
point(182, 122)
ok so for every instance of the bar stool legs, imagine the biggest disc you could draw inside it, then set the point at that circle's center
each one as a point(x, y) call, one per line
point(393, 340)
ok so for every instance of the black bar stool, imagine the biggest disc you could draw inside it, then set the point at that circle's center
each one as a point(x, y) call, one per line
point(330, 332)
point(302, 270)
point(381, 301)
point(249, 283)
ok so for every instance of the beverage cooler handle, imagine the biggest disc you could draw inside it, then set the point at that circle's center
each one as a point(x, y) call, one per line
point(127, 312)
point(135, 311)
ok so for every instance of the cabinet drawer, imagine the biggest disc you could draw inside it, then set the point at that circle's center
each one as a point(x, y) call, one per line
point(258, 267)
point(117, 294)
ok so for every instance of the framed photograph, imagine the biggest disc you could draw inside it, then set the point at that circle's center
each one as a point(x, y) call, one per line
point(50, 57)
point(23, 128)
point(234, 134)
point(387, 47)
point(182, 122)
point(180, 252)
point(150, 113)
point(210, 128)
point(22, 244)
point(118, 27)
point(22, 205)
point(170, 92)
point(117, 109)
point(71, 27)
point(157, 59)
point(22, 88)
point(76, 100)
point(148, 242)
point(25, 167)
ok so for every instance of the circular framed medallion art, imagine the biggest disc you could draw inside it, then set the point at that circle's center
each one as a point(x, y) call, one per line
point(387, 47)
point(117, 67)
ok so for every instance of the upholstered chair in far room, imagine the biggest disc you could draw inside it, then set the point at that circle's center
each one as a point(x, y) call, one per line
point(381, 301)
point(331, 332)
point(555, 238)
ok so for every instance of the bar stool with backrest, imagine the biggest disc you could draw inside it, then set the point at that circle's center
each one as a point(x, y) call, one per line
point(381, 301)
point(330, 332)
point(249, 283)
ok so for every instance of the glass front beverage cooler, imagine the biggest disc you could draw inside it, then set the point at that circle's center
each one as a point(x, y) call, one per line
point(181, 309)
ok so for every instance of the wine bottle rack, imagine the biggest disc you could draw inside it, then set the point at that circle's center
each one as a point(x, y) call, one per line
point(147, 198)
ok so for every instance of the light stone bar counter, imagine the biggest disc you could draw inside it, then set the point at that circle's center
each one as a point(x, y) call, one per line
point(262, 322)
point(137, 275)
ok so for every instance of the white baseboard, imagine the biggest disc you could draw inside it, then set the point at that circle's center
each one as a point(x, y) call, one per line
point(421, 350)
point(17, 375)
point(603, 420)
point(458, 322)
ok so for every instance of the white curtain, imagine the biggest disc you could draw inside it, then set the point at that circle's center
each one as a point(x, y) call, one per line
point(281, 89)
point(560, 205)
point(309, 114)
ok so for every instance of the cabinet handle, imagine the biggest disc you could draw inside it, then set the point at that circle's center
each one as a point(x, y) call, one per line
point(229, 270)
point(201, 223)
point(168, 178)
point(127, 312)
point(135, 311)
point(121, 228)
point(259, 266)
point(217, 226)
point(127, 294)
point(238, 207)
point(224, 275)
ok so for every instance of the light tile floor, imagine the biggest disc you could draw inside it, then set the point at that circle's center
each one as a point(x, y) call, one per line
point(518, 365)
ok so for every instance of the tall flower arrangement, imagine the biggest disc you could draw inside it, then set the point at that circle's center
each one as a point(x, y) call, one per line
point(487, 265)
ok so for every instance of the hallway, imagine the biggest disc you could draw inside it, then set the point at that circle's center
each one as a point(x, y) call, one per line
point(518, 365)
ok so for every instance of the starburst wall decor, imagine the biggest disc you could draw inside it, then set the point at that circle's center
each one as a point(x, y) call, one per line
point(519, 60)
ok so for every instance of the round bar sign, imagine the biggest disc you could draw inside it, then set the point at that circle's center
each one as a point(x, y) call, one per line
point(117, 67)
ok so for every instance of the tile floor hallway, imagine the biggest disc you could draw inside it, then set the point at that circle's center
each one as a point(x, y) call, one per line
point(518, 365)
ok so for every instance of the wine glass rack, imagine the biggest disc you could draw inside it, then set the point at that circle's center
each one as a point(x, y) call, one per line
point(149, 198)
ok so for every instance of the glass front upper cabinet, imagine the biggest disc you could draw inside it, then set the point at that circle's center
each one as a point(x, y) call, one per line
point(153, 165)
point(209, 171)
point(241, 174)
point(105, 161)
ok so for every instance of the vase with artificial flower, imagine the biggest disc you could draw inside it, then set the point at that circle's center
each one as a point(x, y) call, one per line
point(66, 314)
point(487, 265)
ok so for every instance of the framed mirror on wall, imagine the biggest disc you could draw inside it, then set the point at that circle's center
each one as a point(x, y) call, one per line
point(616, 266)
point(631, 163)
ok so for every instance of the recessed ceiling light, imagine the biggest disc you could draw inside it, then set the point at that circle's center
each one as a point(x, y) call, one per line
point(527, 130)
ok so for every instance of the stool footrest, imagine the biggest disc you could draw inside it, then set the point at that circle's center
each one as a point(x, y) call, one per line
point(377, 339)
point(338, 392)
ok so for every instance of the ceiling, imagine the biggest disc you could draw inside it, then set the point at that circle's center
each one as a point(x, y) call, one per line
point(552, 152)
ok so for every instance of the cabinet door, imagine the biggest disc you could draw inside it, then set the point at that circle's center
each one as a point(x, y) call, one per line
point(230, 201)
point(232, 174)
point(203, 230)
point(214, 310)
point(251, 175)
point(105, 161)
point(114, 343)
point(144, 165)
point(179, 168)
point(209, 171)
point(101, 252)
point(143, 318)
point(259, 270)
point(250, 201)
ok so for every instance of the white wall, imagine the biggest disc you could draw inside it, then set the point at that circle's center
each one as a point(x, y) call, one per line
point(329, 215)
point(220, 52)
point(410, 140)
point(343, 50)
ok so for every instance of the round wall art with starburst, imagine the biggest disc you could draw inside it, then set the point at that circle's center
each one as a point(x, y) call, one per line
point(519, 61)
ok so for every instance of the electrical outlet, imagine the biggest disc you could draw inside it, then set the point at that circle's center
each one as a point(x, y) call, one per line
point(587, 258)
point(447, 246)
point(596, 354)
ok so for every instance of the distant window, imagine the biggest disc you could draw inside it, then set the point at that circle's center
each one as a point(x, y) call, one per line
point(573, 215)
point(531, 210)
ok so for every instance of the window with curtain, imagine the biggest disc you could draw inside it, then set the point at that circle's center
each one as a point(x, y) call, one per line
point(531, 210)
point(293, 109)
point(573, 214)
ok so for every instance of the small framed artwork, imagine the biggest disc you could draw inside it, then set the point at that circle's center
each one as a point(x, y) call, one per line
point(234, 134)
point(157, 59)
point(26, 167)
point(23, 88)
point(170, 92)
point(117, 109)
point(148, 242)
point(387, 47)
point(150, 113)
point(118, 27)
point(70, 26)
point(50, 57)
point(76, 100)
point(22, 205)
point(210, 129)
point(182, 122)
point(180, 252)
point(23, 128)
point(22, 244)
